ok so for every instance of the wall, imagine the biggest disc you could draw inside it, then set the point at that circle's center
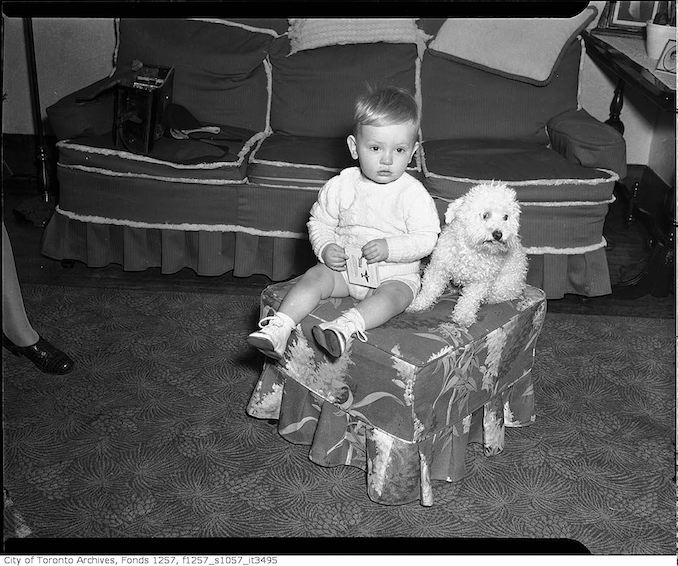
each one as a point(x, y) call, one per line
point(70, 53)
point(73, 52)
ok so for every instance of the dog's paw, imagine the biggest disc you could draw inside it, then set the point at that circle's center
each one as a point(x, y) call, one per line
point(418, 305)
point(464, 319)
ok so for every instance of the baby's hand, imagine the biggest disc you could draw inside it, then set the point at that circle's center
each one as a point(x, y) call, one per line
point(375, 250)
point(335, 257)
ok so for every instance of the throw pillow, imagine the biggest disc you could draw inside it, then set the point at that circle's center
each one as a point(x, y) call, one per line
point(519, 48)
point(310, 33)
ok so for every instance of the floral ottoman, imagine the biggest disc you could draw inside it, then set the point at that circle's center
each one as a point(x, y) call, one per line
point(404, 405)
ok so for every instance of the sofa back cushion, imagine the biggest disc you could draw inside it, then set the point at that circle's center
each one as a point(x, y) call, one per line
point(219, 71)
point(314, 90)
point(460, 101)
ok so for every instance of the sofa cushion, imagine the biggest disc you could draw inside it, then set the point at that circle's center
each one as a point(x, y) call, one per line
point(314, 91)
point(169, 157)
point(102, 184)
point(310, 33)
point(300, 161)
point(219, 71)
point(538, 174)
point(564, 204)
point(460, 101)
point(579, 137)
point(527, 49)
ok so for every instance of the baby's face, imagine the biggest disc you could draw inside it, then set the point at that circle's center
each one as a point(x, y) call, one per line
point(384, 151)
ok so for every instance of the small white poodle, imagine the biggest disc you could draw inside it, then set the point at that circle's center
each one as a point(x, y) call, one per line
point(478, 250)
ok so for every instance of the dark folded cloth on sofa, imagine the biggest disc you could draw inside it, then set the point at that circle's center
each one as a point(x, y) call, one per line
point(188, 152)
point(183, 151)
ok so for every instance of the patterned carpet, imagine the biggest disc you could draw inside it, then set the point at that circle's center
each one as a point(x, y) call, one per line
point(148, 437)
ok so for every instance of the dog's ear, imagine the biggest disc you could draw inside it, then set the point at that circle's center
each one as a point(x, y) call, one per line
point(452, 209)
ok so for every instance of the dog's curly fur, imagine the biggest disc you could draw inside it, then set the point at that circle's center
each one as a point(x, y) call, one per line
point(479, 250)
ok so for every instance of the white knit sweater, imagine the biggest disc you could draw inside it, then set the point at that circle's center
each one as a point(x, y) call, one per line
point(351, 210)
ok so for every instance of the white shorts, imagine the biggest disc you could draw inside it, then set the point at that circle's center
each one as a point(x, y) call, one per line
point(360, 292)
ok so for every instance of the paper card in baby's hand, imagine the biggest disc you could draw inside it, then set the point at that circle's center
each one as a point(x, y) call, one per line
point(359, 271)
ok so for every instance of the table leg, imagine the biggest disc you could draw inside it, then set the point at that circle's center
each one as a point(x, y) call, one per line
point(616, 107)
point(633, 197)
point(615, 121)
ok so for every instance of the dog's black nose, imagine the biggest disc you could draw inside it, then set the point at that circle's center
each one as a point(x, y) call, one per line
point(497, 235)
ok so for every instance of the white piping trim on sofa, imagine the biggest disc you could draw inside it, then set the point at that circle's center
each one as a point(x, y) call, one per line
point(419, 100)
point(186, 227)
point(256, 139)
point(565, 251)
point(189, 180)
point(551, 182)
point(422, 155)
point(259, 142)
point(268, 68)
point(253, 159)
point(556, 204)
point(116, 49)
point(137, 157)
point(582, 56)
point(553, 204)
point(231, 23)
point(190, 227)
point(258, 183)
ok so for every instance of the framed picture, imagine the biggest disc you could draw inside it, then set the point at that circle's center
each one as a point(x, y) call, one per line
point(667, 60)
point(626, 18)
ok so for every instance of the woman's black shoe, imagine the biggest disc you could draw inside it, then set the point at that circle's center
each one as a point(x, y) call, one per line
point(46, 357)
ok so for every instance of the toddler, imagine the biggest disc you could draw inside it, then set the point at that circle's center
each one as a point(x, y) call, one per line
point(377, 209)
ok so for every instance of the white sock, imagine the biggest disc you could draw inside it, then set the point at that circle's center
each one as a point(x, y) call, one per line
point(354, 315)
point(286, 320)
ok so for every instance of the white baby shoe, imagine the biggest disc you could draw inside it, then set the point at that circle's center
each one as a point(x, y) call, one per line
point(336, 335)
point(271, 338)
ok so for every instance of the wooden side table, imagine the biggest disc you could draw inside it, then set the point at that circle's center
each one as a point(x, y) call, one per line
point(625, 58)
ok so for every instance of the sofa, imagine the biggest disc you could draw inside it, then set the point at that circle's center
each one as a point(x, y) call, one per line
point(280, 93)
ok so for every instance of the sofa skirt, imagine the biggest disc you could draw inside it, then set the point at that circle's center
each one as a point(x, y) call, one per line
point(215, 253)
point(207, 253)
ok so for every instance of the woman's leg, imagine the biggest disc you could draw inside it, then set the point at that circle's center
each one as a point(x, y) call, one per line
point(15, 323)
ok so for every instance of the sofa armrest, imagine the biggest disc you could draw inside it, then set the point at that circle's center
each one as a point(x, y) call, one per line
point(581, 138)
point(85, 112)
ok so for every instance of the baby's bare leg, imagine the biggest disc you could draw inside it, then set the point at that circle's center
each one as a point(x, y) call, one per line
point(388, 300)
point(319, 282)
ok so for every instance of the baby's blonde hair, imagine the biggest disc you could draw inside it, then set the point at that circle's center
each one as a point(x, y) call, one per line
point(386, 106)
